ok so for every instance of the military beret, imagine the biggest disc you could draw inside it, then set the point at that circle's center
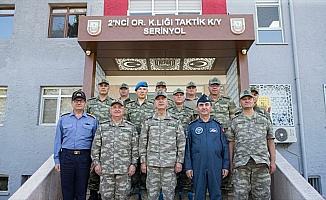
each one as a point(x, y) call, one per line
point(178, 90)
point(203, 99)
point(160, 93)
point(245, 93)
point(214, 80)
point(254, 89)
point(141, 84)
point(161, 83)
point(78, 94)
point(115, 101)
point(104, 81)
point(191, 84)
point(124, 85)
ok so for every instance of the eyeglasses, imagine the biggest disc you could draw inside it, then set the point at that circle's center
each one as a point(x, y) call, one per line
point(79, 101)
point(206, 104)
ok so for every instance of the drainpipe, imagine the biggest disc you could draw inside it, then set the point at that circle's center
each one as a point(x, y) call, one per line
point(298, 91)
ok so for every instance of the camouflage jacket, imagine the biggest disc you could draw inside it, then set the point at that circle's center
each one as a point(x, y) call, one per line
point(126, 101)
point(250, 136)
point(100, 109)
point(191, 103)
point(115, 147)
point(223, 110)
point(185, 115)
point(162, 142)
point(136, 113)
point(263, 112)
point(257, 109)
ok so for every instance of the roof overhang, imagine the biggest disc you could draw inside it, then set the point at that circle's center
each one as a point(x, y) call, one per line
point(152, 45)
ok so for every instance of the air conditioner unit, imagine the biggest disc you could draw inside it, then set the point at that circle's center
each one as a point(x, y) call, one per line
point(285, 135)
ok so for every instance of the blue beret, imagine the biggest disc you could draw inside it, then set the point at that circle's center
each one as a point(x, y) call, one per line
point(141, 84)
point(203, 99)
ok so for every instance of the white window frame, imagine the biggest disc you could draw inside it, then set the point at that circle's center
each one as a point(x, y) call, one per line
point(54, 96)
point(168, 12)
point(6, 11)
point(5, 96)
point(2, 192)
point(270, 3)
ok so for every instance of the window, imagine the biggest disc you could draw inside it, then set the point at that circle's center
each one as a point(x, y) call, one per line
point(4, 184)
point(6, 21)
point(24, 179)
point(3, 99)
point(315, 182)
point(54, 102)
point(164, 7)
point(64, 21)
point(269, 23)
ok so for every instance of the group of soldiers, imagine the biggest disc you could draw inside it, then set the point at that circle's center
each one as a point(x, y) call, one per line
point(179, 148)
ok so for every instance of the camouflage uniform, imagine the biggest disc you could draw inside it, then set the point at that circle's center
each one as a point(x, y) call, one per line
point(185, 115)
point(115, 147)
point(161, 146)
point(126, 101)
point(258, 110)
point(126, 86)
point(251, 156)
point(191, 103)
point(263, 112)
point(100, 109)
point(136, 114)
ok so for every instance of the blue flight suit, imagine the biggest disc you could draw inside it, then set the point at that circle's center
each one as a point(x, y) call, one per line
point(72, 148)
point(206, 154)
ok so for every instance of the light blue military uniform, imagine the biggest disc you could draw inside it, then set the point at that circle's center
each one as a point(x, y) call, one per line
point(73, 133)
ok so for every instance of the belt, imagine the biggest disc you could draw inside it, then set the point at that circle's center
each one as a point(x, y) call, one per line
point(77, 151)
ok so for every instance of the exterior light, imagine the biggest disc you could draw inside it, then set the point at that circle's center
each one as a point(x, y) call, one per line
point(244, 51)
point(88, 52)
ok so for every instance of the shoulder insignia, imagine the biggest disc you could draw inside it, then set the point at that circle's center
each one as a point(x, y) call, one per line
point(91, 115)
point(193, 121)
point(226, 97)
point(215, 120)
point(151, 117)
point(186, 107)
point(92, 98)
point(236, 115)
point(128, 122)
point(130, 102)
point(237, 112)
point(65, 114)
point(105, 121)
point(261, 114)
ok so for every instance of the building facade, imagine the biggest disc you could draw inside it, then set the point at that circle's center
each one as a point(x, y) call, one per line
point(43, 59)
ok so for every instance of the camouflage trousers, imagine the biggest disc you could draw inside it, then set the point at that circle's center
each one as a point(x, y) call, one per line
point(94, 181)
point(115, 186)
point(254, 179)
point(227, 188)
point(161, 178)
point(138, 184)
point(184, 186)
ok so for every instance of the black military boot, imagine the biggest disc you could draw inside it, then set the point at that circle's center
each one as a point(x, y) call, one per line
point(93, 195)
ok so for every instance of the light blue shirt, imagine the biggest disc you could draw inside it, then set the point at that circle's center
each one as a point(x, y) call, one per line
point(73, 133)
